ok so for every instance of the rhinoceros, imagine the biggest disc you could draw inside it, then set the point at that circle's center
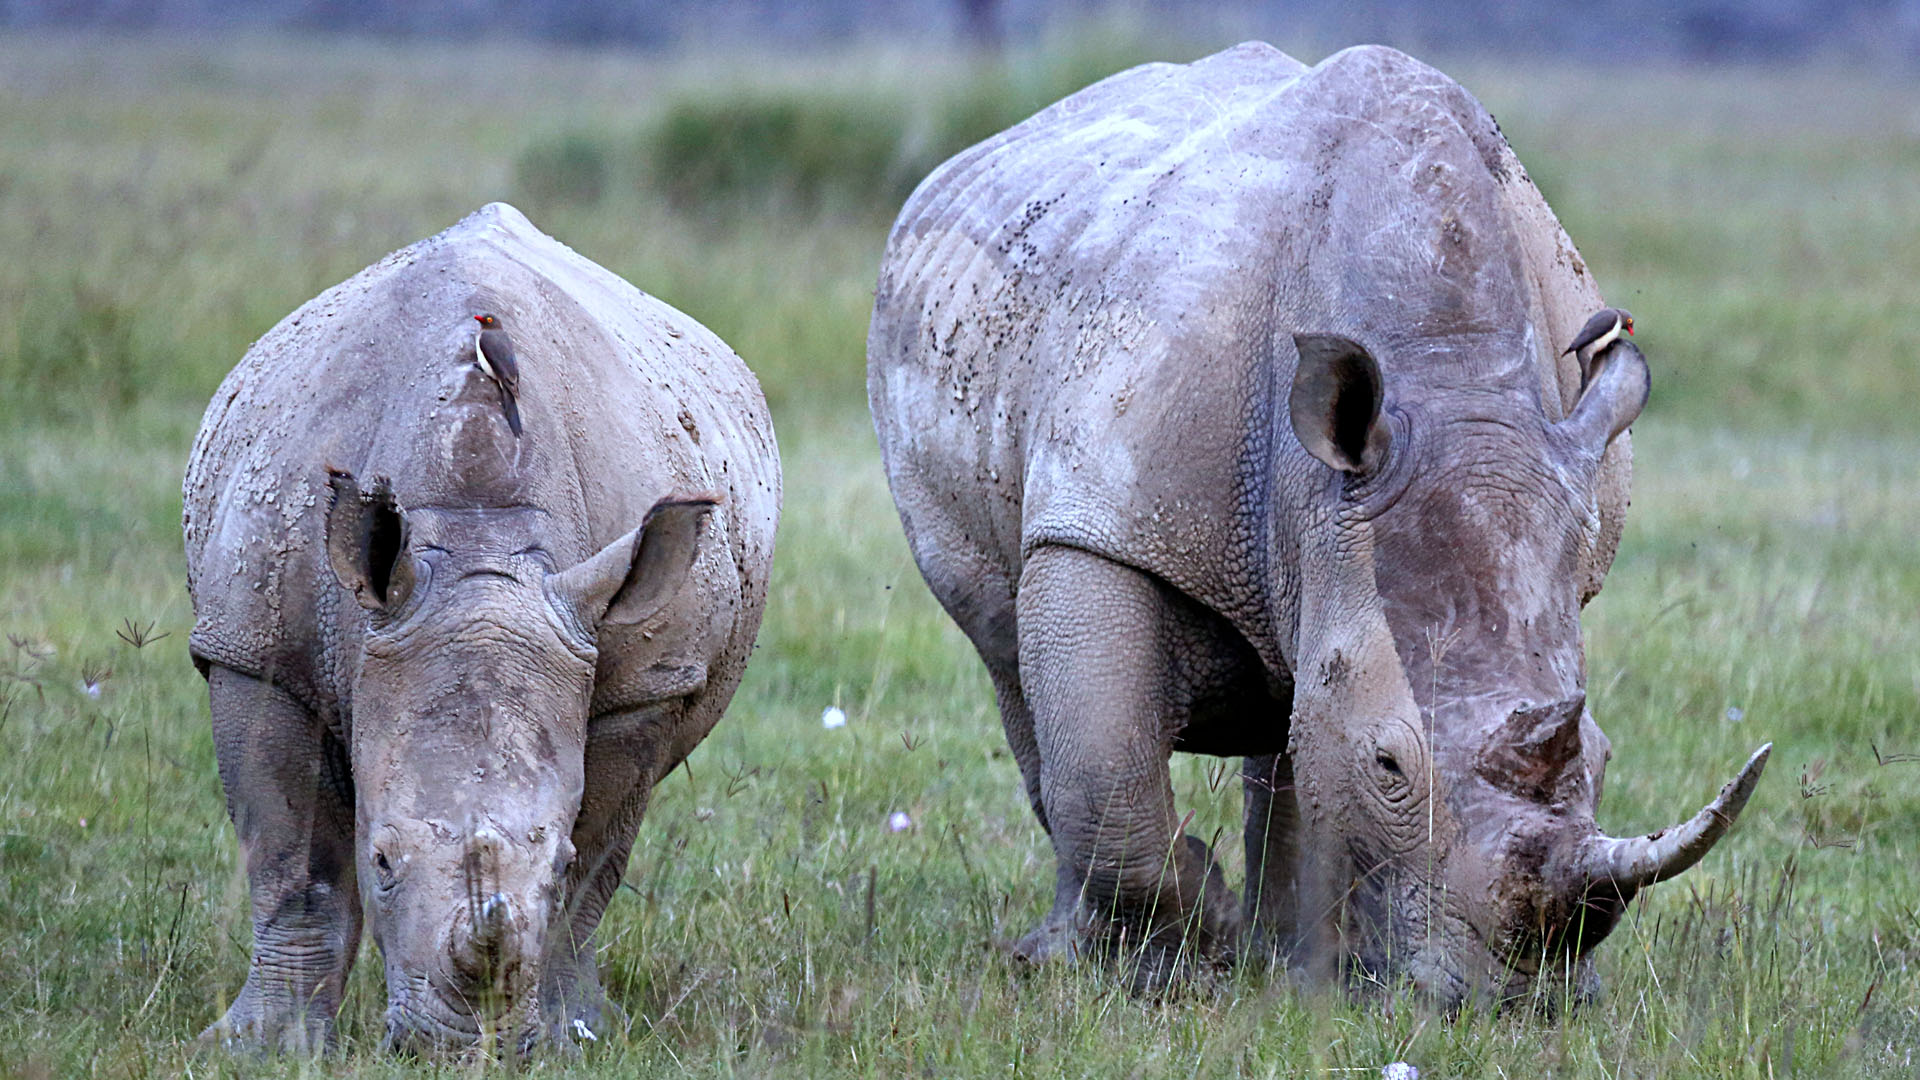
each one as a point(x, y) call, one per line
point(447, 664)
point(1223, 408)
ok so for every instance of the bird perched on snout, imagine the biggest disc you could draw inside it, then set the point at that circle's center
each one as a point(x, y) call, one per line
point(493, 354)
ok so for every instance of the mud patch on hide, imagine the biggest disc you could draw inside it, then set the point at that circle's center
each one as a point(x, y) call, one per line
point(1491, 143)
point(1336, 670)
point(1110, 325)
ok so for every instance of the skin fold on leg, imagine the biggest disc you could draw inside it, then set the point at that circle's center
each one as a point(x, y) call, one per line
point(290, 795)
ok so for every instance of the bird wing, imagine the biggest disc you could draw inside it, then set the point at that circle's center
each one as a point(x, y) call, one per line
point(1593, 331)
point(497, 350)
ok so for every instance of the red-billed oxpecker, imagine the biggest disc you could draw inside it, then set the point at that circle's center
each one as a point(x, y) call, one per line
point(1602, 330)
point(493, 352)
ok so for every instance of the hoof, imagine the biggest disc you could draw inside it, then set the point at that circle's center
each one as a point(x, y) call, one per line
point(1048, 943)
point(1062, 938)
point(581, 1015)
point(258, 1032)
point(1159, 971)
point(586, 1027)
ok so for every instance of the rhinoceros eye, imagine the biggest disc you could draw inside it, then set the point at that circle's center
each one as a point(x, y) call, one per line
point(383, 870)
point(1386, 761)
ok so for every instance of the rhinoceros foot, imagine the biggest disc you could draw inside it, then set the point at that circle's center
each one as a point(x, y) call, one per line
point(267, 1023)
point(1170, 972)
point(1058, 939)
point(1191, 948)
point(577, 1011)
point(1158, 953)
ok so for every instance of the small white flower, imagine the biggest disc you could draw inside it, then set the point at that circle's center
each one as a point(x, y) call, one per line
point(833, 716)
point(583, 1032)
point(704, 813)
point(1735, 714)
point(91, 689)
point(1400, 1070)
point(898, 821)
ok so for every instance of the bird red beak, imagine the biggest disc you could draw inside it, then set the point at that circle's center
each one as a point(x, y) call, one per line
point(477, 318)
point(1629, 331)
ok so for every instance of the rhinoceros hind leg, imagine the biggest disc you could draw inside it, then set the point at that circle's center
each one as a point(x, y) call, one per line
point(1095, 637)
point(1016, 719)
point(979, 597)
point(290, 794)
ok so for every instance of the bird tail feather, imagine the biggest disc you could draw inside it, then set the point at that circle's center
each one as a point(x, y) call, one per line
point(512, 409)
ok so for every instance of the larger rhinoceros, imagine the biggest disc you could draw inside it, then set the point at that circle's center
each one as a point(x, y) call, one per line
point(1222, 407)
point(447, 663)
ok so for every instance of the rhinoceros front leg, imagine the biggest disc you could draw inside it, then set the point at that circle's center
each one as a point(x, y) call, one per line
point(1273, 852)
point(1096, 640)
point(290, 794)
point(624, 759)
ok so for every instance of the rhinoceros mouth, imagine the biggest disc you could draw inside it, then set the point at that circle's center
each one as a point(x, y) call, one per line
point(422, 1019)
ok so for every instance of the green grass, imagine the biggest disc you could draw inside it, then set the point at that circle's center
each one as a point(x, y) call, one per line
point(165, 204)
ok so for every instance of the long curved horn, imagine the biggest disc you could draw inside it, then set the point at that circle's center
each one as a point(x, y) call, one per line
point(1638, 862)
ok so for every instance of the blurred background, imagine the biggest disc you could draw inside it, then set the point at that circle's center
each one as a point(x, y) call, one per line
point(1694, 30)
point(178, 175)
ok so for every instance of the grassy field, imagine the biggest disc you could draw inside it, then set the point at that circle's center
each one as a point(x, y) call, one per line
point(162, 205)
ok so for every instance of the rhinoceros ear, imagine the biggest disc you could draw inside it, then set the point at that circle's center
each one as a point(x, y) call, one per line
point(634, 577)
point(1615, 394)
point(1336, 402)
point(367, 542)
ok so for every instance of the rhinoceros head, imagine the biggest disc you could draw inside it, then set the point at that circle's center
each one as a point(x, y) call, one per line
point(1449, 770)
point(470, 711)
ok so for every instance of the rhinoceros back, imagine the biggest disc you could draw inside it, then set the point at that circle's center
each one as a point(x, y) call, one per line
point(625, 400)
point(1088, 317)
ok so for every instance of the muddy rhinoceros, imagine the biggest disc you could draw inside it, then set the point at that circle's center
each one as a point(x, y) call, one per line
point(1223, 409)
point(447, 663)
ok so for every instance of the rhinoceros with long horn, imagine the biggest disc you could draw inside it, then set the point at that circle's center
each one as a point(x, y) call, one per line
point(1222, 406)
point(447, 663)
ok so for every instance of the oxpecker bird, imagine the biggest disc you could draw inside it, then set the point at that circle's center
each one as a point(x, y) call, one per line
point(493, 352)
point(1601, 331)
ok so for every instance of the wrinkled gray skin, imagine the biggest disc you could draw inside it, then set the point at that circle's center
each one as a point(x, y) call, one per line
point(446, 665)
point(1355, 556)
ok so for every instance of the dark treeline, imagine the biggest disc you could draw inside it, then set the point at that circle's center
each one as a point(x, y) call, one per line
point(1764, 30)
